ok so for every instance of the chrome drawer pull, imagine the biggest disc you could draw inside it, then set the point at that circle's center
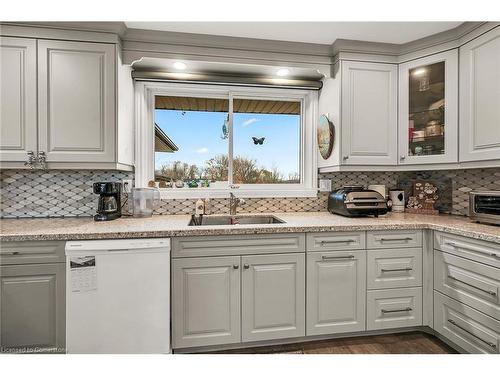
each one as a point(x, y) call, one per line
point(337, 241)
point(397, 269)
point(396, 239)
point(490, 292)
point(325, 257)
point(451, 321)
point(397, 310)
point(456, 246)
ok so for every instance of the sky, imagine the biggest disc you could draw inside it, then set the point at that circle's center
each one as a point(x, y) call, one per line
point(198, 136)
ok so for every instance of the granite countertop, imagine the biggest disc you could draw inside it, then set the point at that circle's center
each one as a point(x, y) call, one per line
point(176, 225)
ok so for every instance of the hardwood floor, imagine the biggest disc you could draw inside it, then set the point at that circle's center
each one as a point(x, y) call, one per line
point(397, 343)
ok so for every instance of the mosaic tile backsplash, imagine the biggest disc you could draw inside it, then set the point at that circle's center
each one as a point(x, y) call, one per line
point(53, 193)
point(59, 193)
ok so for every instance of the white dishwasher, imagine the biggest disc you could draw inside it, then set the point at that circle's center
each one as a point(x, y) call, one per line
point(118, 296)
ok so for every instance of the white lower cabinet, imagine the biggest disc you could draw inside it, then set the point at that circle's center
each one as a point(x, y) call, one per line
point(32, 307)
point(227, 300)
point(206, 301)
point(393, 308)
point(468, 328)
point(336, 292)
point(251, 291)
point(273, 296)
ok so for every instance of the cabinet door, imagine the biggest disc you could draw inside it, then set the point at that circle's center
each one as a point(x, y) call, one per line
point(273, 296)
point(205, 301)
point(76, 94)
point(336, 292)
point(369, 113)
point(33, 307)
point(428, 109)
point(18, 118)
point(480, 98)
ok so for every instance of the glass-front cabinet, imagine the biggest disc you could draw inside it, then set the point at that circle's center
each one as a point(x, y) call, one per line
point(428, 109)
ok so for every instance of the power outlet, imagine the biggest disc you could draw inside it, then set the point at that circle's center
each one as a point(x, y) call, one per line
point(127, 185)
point(325, 184)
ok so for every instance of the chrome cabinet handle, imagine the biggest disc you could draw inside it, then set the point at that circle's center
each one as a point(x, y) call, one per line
point(490, 292)
point(402, 157)
point(326, 257)
point(336, 241)
point(31, 160)
point(492, 345)
point(246, 266)
point(396, 269)
point(384, 311)
point(456, 246)
point(11, 253)
point(345, 157)
point(42, 159)
point(236, 266)
point(396, 239)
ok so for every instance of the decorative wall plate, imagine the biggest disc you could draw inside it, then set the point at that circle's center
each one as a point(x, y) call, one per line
point(326, 136)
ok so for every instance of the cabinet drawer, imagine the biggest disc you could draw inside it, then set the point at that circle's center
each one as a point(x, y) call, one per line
point(468, 328)
point(394, 268)
point(25, 252)
point(472, 283)
point(199, 246)
point(393, 239)
point(481, 251)
point(336, 241)
point(393, 308)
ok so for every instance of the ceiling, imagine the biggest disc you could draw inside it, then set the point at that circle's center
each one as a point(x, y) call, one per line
point(182, 103)
point(308, 32)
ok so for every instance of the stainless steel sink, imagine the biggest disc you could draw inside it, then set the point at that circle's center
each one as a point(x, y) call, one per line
point(234, 220)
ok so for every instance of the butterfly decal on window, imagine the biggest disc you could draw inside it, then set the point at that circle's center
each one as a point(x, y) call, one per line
point(258, 141)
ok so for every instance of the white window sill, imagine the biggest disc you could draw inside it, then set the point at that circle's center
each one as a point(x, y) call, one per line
point(195, 193)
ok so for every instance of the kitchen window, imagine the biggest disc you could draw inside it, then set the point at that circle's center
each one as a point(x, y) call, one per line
point(206, 140)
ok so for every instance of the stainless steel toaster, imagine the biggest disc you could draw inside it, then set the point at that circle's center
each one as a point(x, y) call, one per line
point(356, 201)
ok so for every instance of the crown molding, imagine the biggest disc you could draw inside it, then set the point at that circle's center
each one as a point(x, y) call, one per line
point(396, 53)
point(103, 32)
point(138, 43)
point(118, 28)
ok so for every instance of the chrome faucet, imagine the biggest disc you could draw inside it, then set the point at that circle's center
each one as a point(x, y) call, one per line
point(233, 203)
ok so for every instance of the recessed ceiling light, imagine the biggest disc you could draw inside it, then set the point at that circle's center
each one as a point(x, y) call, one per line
point(179, 65)
point(282, 72)
point(419, 72)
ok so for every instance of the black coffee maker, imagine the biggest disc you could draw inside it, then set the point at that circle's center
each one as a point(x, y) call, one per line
point(109, 205)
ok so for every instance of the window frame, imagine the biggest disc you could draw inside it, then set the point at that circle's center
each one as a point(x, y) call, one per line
point(145, 93)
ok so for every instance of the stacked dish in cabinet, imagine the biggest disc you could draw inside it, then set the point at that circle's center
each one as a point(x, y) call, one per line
point(466, 292)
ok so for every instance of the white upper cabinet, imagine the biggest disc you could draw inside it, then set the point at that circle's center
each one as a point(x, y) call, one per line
point(428, 109)
point(480, 98)
point(369, 113)
point(76, 92)
point(18, 124)
point(68, 102)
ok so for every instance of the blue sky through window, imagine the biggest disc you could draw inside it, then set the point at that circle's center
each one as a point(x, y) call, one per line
point(199, 137)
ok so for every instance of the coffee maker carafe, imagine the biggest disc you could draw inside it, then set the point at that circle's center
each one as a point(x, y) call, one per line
point(109, 204)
